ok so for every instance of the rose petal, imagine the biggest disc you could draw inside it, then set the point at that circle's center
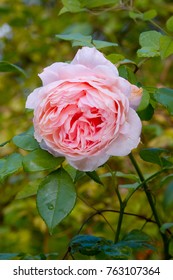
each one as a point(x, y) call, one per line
point(83, 111)
point(51, 73)
point(91, 58)
point(123, 145)
point(32, 99)
point(135, 97)
point(90, 163)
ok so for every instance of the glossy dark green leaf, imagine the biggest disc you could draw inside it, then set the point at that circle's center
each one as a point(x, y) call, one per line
point(147, 113)
point(77, 39)
point(127, 74)
point(97, 246)
point(127, 176)
point(113, 251)
point(71, 171)
point(56, 198)
point(164, 96)
point(103, 44)
point(153, 155)
point(11, 165)
point(8, 67)
point(85, 244)
point(115, 58)
point(26, 142)
point(137, 239)
point(129, 186)
point(39, 160)
point(94, 176)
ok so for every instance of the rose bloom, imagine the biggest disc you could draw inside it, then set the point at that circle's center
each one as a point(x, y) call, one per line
point(85, 111)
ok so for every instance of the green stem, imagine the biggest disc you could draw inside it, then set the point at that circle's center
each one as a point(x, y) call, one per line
point(122, 207)
point(145, 181)
point(147, 192)
point(120, 220)
point(152, 205)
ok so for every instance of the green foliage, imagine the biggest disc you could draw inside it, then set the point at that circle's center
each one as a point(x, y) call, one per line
point(28, 173)
point(164, 96)
point(71, 6)
point(145, 101)
point(75, 6)
point(166, 46)
point(9, 67)
point(169, 24)
point(90, 4)
point(150, 14)
point(147, 113)
point(40, 160)
point(102, 248)
point(10, 165)
point(83, 40)
point(28, 190)
point(137, 239)
point(153, 155)
point(56, 198)
point(154, 44)
point(26, 142)
point(127, 74)
point(94, 176)
point(8, 256)
point(99, 247)
point(150, 43)
point(127, 176)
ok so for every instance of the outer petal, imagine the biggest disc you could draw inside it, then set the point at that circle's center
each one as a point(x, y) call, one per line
point(32, 99)
point(123, 85)
point(51, 73)
point(90, 163)
point(123, 145)
point(91, 58)
point(37, 96)
point(81, 163)
point(135, 97)
point(44, 146)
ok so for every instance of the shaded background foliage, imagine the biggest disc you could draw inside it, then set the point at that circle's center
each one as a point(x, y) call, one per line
point(27, 39)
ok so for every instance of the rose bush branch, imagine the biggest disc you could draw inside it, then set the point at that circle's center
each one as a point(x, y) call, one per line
point(152, 205)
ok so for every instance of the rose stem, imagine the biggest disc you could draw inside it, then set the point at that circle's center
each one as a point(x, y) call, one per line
point(122, 207)
point(151, 202)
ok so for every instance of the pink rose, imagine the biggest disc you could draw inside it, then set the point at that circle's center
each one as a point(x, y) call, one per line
point(85, 112)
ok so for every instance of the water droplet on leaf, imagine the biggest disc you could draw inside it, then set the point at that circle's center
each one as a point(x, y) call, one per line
point(50, 206)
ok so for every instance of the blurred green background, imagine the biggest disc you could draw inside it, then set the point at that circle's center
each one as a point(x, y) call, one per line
point(27, 39)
